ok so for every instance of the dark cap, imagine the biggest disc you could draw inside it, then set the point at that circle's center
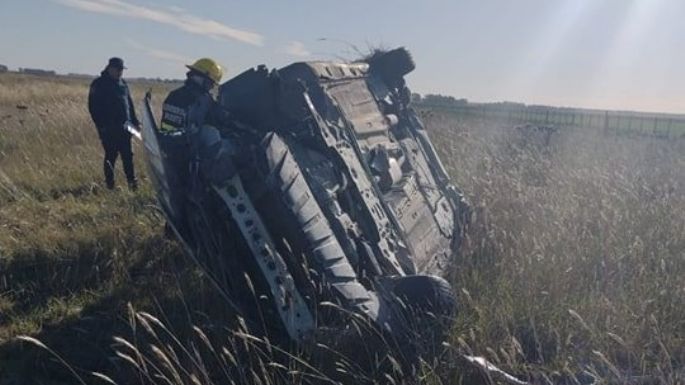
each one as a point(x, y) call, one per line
point(116, 62)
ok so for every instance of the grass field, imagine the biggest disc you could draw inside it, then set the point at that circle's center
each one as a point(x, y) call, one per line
point(573, 266)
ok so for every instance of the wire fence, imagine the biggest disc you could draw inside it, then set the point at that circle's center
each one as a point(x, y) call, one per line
point(662, 125)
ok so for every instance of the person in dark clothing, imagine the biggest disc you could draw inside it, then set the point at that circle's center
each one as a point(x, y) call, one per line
point(184, 112)
point(111, 108)
point(188, 108)
point(192, 104)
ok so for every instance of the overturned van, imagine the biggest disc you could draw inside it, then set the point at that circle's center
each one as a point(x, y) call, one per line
point(320, 205)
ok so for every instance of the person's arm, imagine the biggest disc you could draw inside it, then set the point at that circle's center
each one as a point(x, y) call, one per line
point(219, 116)
point(173, 117)
point(134, 117)
point(96, 105)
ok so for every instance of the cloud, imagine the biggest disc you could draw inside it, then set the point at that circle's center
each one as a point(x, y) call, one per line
point(296, 48)
point(175, 17)
point(163, 55)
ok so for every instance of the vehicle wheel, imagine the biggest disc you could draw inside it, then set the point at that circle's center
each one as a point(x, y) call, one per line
point(392, 65)
point(426, 293)
point(429, 307)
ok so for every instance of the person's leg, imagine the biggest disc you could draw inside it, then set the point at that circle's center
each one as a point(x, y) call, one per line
point(111, 152)
point(127, 159)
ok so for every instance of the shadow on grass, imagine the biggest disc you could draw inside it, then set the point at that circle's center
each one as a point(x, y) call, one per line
point(35, 275)
point(159, 279)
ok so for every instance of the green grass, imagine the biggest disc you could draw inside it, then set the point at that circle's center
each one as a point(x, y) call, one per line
point(574, 261)
point(72, 254)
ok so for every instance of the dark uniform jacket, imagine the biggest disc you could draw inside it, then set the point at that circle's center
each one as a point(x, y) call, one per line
point(185, 110)
point(110, 105)
point(190, 105)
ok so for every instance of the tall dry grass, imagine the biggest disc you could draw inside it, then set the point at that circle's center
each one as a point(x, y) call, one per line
point(72, 253)
point(572, 269)
point(576, 258)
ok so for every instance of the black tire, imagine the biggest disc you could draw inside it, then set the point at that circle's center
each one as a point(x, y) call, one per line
point(392, 65)
point(426, 293)
point(428, 306)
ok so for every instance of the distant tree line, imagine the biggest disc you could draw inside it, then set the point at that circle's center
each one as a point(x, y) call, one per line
point(37, 71)
point(438, 100)
point(74, 75)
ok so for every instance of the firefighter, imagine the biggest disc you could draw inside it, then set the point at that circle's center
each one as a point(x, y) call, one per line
point(192, 104)
point(188, 108)
point(184, 112)
point(111, 108)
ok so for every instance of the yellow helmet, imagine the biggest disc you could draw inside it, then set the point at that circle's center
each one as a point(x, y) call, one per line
point(209, 68)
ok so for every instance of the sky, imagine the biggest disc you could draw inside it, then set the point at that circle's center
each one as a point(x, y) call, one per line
point(604, 54)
